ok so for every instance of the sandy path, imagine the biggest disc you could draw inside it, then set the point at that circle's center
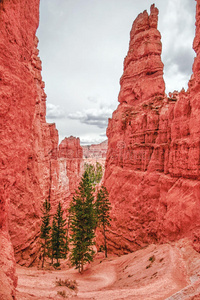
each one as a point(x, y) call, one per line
point(156, 272)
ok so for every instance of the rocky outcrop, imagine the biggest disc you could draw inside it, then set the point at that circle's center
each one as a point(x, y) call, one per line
point(152, 166)
point(66, 170)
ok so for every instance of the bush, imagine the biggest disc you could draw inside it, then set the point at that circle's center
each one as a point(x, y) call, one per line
point(71, 284)
point(62, 293)
point(56, 265)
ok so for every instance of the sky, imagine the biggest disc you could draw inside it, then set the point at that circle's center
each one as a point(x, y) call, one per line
point(82, 46)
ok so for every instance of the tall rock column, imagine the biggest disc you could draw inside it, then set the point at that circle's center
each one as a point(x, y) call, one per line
point(152, 164)
point(143, 70)
point(132, 134)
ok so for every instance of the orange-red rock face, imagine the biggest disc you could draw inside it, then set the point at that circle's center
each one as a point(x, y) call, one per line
point(66, 170)
point(29, 155)
point(18, 97)
point(142, 78)
point(152, 166)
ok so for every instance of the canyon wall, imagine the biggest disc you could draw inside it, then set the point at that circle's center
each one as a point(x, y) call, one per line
point(18, 97)
point(152, 165)
point(32, 166)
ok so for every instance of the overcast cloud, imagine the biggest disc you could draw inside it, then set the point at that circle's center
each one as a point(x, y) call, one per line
point(82, 45)
point(92, 116)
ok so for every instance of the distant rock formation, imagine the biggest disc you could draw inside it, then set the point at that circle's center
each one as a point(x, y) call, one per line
point(66, 170)
point(95, 150)
point(95, 153)
point(152, 166)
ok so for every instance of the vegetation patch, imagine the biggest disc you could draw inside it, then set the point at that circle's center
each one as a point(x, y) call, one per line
point(71, 284)
point(62, 294)
point(151, 259)
point(86, 213)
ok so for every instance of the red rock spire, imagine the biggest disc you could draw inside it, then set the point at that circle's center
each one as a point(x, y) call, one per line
point(143, 69)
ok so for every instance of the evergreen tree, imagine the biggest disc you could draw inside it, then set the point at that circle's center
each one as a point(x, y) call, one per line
point(82, 223)
point(45, 229)
point(95, 173)
point(103, 207)
point(90, 170)
point(59, 242)
point(98, 172)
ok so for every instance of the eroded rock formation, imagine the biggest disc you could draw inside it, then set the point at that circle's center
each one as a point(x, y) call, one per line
point(152, 167)
point(95, 153)
point(66, 170)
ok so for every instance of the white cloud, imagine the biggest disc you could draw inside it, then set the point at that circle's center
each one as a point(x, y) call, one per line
point(54, 111)
point(177, 26)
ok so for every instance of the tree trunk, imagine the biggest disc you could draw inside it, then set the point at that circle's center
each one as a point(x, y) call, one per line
point(105, 244)
point(82, 265)
point(43, 256)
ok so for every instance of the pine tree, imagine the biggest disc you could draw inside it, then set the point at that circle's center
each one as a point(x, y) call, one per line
point(82, 223)
point(58, 236)
point(95, 173)
point(90, 170)
point(98, 172)
point(103, 207)
point(45, 229)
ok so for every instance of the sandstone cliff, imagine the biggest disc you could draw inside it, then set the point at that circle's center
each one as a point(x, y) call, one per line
point(19, 82)
point(152, 165)
point(32, 167)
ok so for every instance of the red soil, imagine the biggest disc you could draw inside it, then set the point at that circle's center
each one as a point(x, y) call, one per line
point(168, 271)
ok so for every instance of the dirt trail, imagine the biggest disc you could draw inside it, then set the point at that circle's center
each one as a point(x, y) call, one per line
point(156, 272)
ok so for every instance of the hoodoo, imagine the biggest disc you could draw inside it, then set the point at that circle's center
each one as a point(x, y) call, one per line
point(143, 69)
point(152, 165)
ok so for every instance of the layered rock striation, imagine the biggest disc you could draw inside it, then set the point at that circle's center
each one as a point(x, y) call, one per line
point(152, 165)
